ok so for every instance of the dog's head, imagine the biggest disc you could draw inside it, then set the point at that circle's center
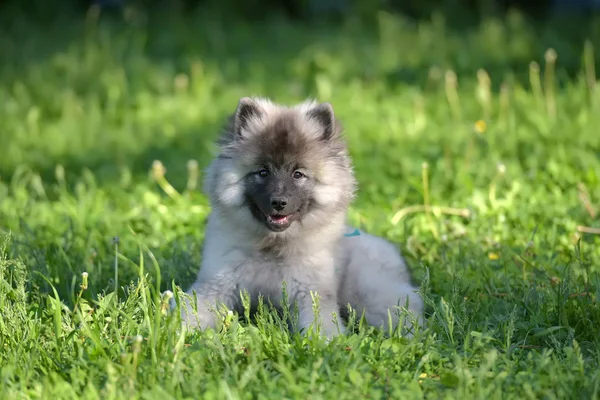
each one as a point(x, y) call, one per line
point(282, 167)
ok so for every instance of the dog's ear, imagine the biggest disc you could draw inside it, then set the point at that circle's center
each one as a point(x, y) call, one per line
point(247, 109)
point(324, 115)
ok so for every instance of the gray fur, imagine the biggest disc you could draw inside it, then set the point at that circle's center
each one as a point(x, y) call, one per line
point(279, 190)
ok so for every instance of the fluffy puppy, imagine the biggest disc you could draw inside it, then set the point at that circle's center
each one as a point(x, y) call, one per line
point(279, 190)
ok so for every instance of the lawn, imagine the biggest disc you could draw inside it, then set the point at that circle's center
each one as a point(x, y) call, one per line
point(477, 151)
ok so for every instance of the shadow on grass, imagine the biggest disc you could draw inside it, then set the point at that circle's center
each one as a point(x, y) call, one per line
point(274, 58)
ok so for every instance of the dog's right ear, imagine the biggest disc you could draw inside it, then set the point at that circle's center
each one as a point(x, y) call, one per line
point(247, 109)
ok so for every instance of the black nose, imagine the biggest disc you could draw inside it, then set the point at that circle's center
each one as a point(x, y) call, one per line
point(278, 203)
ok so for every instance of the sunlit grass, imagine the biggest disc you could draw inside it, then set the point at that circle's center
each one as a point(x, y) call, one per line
point(476, 153)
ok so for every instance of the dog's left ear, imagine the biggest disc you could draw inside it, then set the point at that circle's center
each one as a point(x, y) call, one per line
point(323, 114)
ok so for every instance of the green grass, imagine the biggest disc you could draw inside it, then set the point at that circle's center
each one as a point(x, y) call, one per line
point(512, 284)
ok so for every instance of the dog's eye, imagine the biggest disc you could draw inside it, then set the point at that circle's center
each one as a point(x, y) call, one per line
point(263, 173)
point(298, 175)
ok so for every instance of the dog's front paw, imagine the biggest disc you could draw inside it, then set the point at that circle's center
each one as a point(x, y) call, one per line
point(326, 324)
point(330, 329)
point(201, 319)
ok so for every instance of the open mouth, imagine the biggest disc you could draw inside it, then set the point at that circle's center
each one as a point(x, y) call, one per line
point(273, 220)
point(278, 222)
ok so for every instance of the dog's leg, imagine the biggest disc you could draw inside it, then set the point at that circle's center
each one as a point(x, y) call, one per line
point(327, 305)
point(210, 295)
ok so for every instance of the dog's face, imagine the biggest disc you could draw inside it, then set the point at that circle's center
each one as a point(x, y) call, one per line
point(282, 167)
point(279, 194)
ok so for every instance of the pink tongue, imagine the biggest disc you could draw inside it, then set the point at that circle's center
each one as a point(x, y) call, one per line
point(279, 218)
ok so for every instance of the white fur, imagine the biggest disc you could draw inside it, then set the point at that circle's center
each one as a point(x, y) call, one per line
point(376, 280)
point(313, 254)
point(231, 263)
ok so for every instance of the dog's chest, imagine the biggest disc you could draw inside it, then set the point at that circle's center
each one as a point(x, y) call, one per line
point(261, 272)
point(266, 276)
